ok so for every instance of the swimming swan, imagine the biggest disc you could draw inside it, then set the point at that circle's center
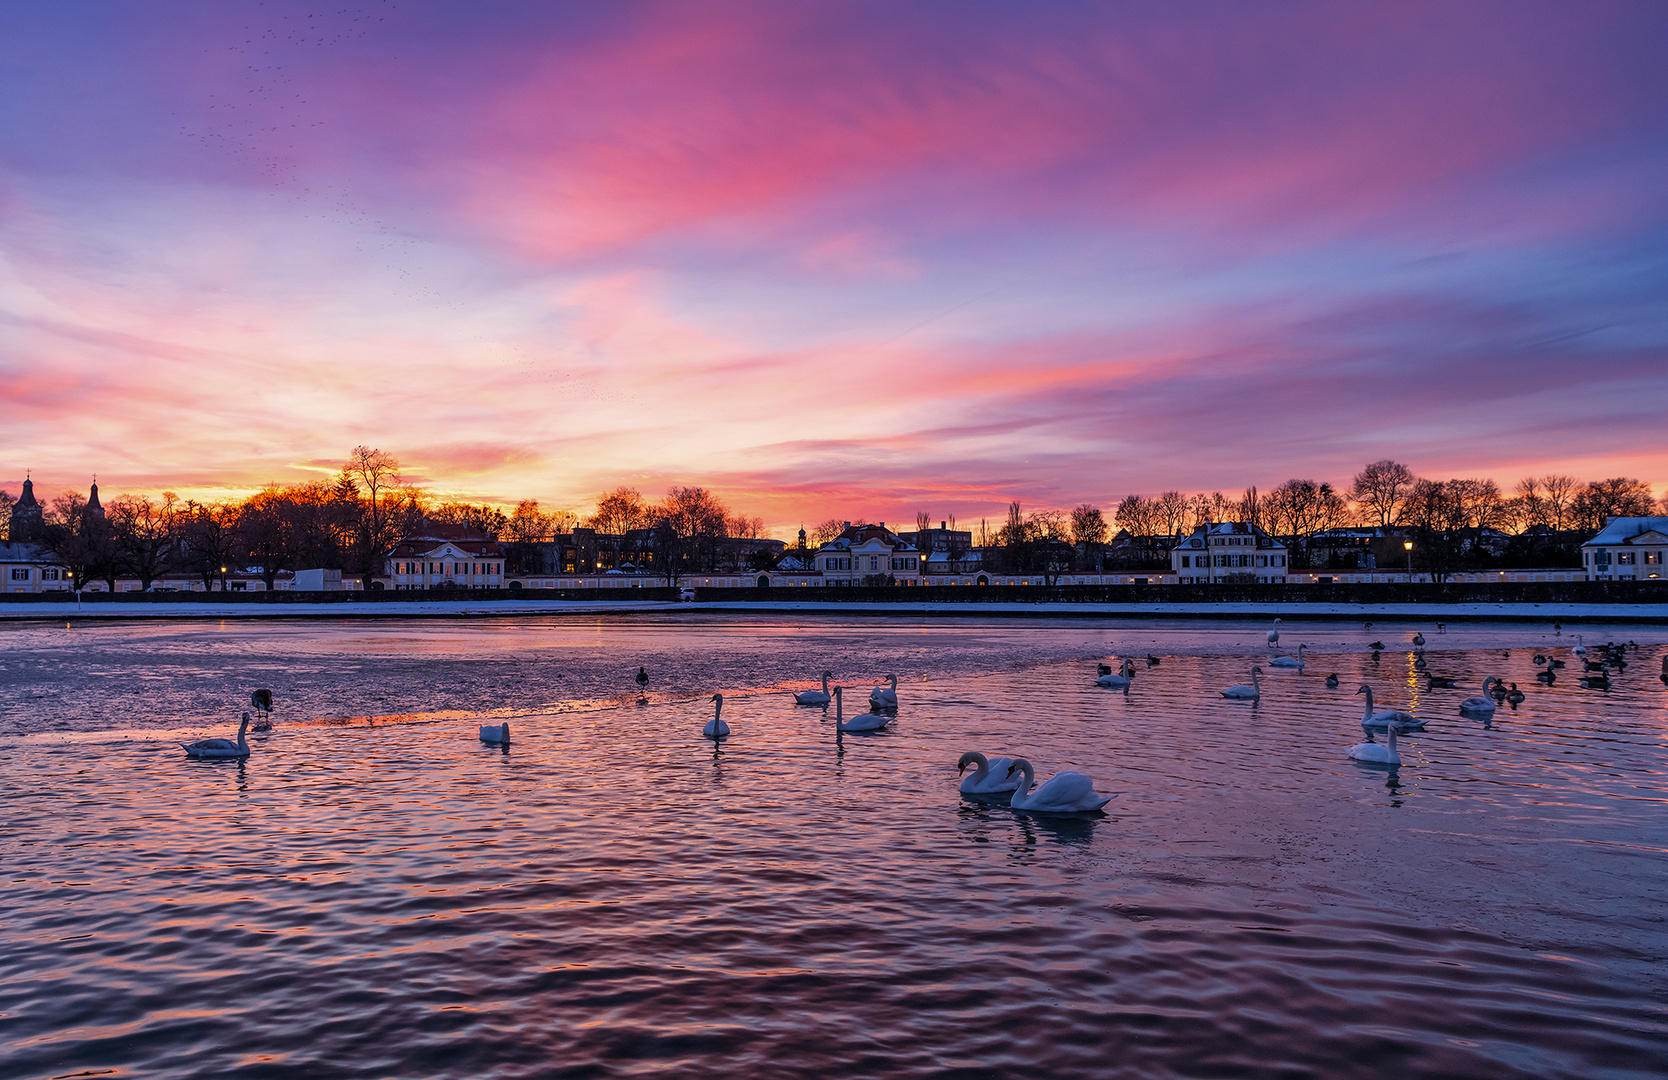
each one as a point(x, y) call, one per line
point(1126, 672)
point(861, 722)
point(1371, 719)
point(885, 697)
point(990, 778)
point(222, 748)
point(498, 735)
point(1064, 793)
point(1378, 753)
point(1484, 704)
point(1289, 661)
point(716, 727)
point(815, 697)
point(1246, 693)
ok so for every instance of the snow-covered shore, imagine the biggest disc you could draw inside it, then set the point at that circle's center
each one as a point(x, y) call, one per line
point(1613, 613)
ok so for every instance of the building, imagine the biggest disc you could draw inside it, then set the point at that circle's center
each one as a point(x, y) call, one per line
point(1626, 549)
point(1228, 551)
point(868, 555)
point(28, 521)
point(445, 557)
point(29, 568)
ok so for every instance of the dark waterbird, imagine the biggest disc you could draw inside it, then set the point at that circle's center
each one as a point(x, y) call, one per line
point(1434, 682)
point(262, 701)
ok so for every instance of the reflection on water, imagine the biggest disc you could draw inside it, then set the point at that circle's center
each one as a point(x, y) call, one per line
point(614, 894)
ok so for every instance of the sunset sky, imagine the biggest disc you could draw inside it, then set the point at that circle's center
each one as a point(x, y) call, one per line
point(844, 260)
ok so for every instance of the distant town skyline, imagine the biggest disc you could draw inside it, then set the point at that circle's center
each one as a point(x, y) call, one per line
point(851, 259)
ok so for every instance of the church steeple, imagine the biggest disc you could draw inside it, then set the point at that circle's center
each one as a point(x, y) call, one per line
point(26, 523)
point(93, 510)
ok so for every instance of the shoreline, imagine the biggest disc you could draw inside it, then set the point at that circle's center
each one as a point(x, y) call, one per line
point(1572, 613)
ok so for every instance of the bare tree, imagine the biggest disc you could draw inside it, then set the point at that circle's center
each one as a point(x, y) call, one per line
point(621, 511)
point(1604, 499)
point(688, 525)
point(1088, 525)
point(923, 521)
point(527, 525)
point(1171, 508)
point(147, 535)
point(1250, 509)
point(1559, 491)
point(746, 528)
point(1140, 518)
point(826, 531)
point(1298, 509)
point(6, 504)
point(211, 536)
point(476, 516)
point(79, 542)
point(387, 510)
point(1382, 490)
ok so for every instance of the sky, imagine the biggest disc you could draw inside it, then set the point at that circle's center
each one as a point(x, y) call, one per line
point(849, 260)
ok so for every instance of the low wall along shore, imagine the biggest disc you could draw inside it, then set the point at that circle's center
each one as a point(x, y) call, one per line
point(1551, 592)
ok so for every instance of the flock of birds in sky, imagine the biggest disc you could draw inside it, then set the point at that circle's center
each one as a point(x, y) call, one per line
point(1014, 779)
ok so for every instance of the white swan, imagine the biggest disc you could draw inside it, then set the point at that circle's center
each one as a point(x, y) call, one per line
point(1580, 648)
point(1126, 671)
point(1378, 753)
point(885, 697)
point(861, 722)
point(716, 727)
point(815, 697)
point(1371, 719)
point(990, 778)
point(222, 748)
point(1274, 634)
point(1063, 793)
point(1246, 693)
point(1289, 661)
point(1484, 704)
point(496, 735)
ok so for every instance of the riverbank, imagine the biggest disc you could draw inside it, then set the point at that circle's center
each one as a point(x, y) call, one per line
point(1427, 612)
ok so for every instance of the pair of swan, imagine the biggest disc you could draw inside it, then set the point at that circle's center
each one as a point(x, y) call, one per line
point(1289, 661)
point(815, 697)
point(1126, 672)
point(1242, 692)
point(861, 722)
point(1385, 717)
point(1062, 793)
point(885, 697)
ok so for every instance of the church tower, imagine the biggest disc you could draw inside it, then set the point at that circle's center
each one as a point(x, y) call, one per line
point(27, 524)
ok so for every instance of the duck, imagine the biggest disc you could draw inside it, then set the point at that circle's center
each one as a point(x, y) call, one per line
point(860, 722)
point(716, 727)
point(989, 778)
point(498, 735)
point(1332, 681)
point(885, 697)
point(1152, 661)
point(1539, 659)
point(1546, 676)
point(1434, 682)
point(642, 676)
point(1062, 793)
point(1289, 661)
point(222, 748)
point(1499, 691)
point(1274, 634)
point(1419, 662)
point(815, 697)
point(1442, 628)
point(1374, 753)
point(1596, 682)
point(1371, 719)
point(1514, 695)
point(1254, 692)
point(1418, 640)
point(1482, 704)
point(1126, 673)
point(1376, 646)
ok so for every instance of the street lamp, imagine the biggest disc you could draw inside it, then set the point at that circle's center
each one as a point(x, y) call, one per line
point(1408, 544)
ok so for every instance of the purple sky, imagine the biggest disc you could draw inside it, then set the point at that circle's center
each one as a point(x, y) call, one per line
point(832, 260)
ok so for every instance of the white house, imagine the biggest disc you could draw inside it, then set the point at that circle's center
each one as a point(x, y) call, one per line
point(868, 552)
point(1627, 549)
point(30, 568)
point(1228, 551)
point(446, 557)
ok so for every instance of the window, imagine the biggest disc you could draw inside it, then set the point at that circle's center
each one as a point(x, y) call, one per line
point(1652, 558)
point(1625, 558)
point(1185, 563)
point(20, 573)
point(51, 572)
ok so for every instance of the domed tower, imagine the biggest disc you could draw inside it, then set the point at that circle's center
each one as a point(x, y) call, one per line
point(26, 524)
point(93, 511)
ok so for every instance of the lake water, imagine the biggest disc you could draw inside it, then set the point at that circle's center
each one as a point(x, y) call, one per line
point(374, 893)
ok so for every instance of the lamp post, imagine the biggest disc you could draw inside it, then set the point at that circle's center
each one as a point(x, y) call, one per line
point(1408, 544)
